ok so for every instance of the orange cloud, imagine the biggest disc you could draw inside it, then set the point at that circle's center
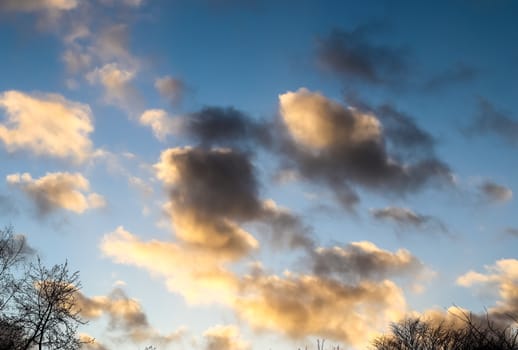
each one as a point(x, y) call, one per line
point(46, 124)
point(68, 191)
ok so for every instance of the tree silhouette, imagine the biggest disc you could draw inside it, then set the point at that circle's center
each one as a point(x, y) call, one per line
point(46, 307)
point(38, 305)
point(471, 333)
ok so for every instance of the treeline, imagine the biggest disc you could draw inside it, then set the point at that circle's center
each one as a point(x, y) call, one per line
point(465, 332)
point(38, 304)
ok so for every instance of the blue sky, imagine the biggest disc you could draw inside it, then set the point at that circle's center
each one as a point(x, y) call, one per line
point(246, 174)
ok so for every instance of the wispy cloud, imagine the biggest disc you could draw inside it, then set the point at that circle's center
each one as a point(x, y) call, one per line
point(405, 218)
point(490, 120)
point(170, 88)
point(495, 192)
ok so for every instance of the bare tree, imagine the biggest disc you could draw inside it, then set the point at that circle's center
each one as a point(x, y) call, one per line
point(472, 333)
point(13, 251)
point(46, 307)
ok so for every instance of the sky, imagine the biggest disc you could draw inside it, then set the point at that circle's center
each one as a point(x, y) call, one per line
point(247, 174)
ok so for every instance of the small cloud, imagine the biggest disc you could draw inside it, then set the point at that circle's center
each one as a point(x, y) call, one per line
point(126, 317)
point(352, 55)
point(161, 123)
point(459, 73)
point(405, 218)
point(224, 338)
point(58, 191)
point(171, 89)
point(495, 192)
point(117, 84)
point(490, 120)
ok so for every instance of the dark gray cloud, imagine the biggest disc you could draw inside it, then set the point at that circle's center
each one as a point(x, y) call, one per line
point(495, 192)
point(489, 120)
point(402, 131)
point(212, 191)
point(352, 54)
point(406, 218)
point(341, 146)
point(359, 261)
point(216, 182)
point(459, 73)
point(226, 126)
point(285, 229)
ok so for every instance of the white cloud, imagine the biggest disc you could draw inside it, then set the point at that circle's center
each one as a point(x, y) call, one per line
point(46, 124)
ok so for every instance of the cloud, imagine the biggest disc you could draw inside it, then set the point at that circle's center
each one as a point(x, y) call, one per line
point(500, 279)
point(403, 133)
point(458, 73)
point(206, 281)
point(224, 338)
point(37, 5)
point(364, 261)
point(130, 3)
point(219, 126)
point(69, 191)
point(117, 84)
point(406, 218)
point(347, 298)
point(89, 343)
point(300, 306)
point(512, 231)
point(352, 55)
point(46, 124)
point(340, 146)
point(489, 120)
point(495, 192)
point(171, 89)
point(125, 317)
point(210, 191)
point(161, 124)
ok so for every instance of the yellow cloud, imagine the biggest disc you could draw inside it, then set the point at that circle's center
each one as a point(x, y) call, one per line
point(305, 305)
point(318, 123)
point(224, 338)
point(161, 124)
point(58, 190)
point(47, 125)
point(500, 278)
point(198, 275)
